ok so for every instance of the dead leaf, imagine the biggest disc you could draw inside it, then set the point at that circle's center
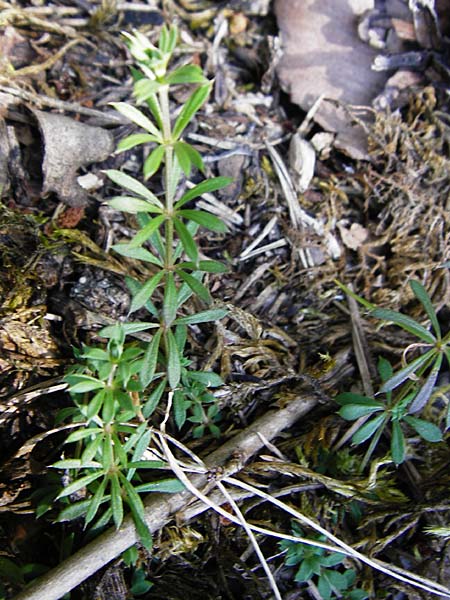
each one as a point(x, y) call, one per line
point(323, 55)
point(69, 145)
point(353, 237)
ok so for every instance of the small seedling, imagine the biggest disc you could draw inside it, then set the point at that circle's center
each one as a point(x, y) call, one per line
point(319, 566)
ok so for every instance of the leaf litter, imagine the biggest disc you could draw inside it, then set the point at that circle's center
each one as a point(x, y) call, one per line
point(298, 221)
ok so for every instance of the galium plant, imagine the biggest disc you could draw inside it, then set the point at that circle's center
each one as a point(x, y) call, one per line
point(317, 565)
point(407, 390)
point(117, 387)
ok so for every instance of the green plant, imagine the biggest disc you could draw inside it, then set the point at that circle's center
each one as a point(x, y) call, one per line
point(117, 387)
point(318, 566)
point(407, 390)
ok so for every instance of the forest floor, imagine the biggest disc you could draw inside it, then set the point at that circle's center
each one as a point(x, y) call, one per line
point(373, 224)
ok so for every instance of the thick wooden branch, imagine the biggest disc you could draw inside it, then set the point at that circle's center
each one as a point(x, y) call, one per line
point(161, 508)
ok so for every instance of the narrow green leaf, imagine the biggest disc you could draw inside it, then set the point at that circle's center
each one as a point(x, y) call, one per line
point(116, 501)
point(402, 375)
point(351, 412)
point(205, 187)
point(206, 266)
point(133, 140)
point(187, 240)
point(141, 447)
point(137, 117)
point(86, 386)
point(137, 253)
point(145, 88)
point(170, 300)
point(82, 434)
point(79, 484)
point(194, 103)
point(108, 408)
point(405, 323)
point(397, 443)
point(94, 405)
point(154, 398)
point(368, 429)
point(154, 107)
point(426, 390)
point(147, 464)
point(195, 285)
point(146, 291)
point(153, 161)
point(150, 360)
point(351, 398)
point(95, 502)
point(384, 369)
point(355, 296)
point(74, 511)
point(132, 205)
point(183, 158)
point(133, 498)
point(208, 378)
point(180, 406)
point(168, 486)
point(204, 219)
point(173, 360)
point(204, 316)
point(146, 232)
point(91, 449)
point(186, 74)
point(129, 328)
point(133, 185)
point(423, 297)
point(428, 431)
point(134, 286)
point(187, 155)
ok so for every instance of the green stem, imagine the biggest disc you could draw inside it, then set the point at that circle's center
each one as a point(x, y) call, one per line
point(163, 95)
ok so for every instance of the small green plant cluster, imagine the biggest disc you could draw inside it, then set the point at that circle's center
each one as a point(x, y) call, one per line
point(407, 390)
point(116, 387)
point(317, 565)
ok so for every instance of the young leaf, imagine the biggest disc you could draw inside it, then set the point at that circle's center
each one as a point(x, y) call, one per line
point(186, 74)
point(95, 502)
point(153, 162)
point(116, 501)
point(206, 266)
point(86, 386)
point(145, 88)
point(204, 219)
point(405, 323)
point(81, 434)
point(187, 240)
point(133, 140)
point(426, 390)
point(205, 187)
point(180, 406)
point(195, 285)
point(146, 291)
point(428, 431)
point(132, 205)
point(146, 232)
point(173, 360)
point(402, 375)
point(150, 360)
point(421, 295)
point(129, 328)
point(368, 429)
point(136, 116)
point(350, 412)
point(133, 185)
point(187, 155)
point(397, 443)
point(204, 316)
point(153, 399)
point(168, 486)
point(170, 300)
point(136, 253)
point(79, 484)
point(197, 99)
point(208, 378)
